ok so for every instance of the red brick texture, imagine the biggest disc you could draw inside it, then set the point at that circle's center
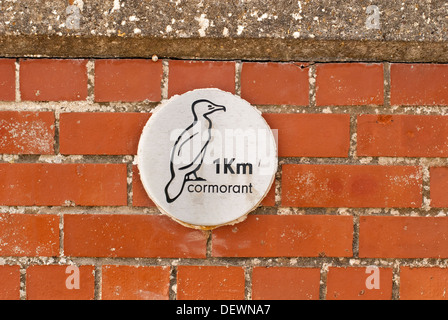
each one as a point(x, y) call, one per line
point(362, 284)
point(275, 83)
point(10, 279)
point(7, 80)
point(311, 135)
point(285, 283)
point(142, 236)
point(361, 184)
point(403, 237)
point(210, 283)
point(53, 80)
point(402, 136)
point(27, 132)
point(351, 186)
point(42, 184)
point(29, 235)
point(127, 80)
point(189, 75)
point(56, 282)
point(101, 133)
point(419, 84)
point(285, 236)
point(438, 186)
point(139, 196)
point(135, 282)
point(427, 283)
point(340, 84)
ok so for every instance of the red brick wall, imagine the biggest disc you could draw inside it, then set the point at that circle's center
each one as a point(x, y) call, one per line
point(362, 183)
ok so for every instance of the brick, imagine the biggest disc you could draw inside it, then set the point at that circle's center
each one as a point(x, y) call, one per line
point(349, 84)
point(139, 196)
point(275, 83)
point(285, 236)
point(135, 283)
point(438, 187)
point(10, 282)
point(352, 284)
point(7, 80)
point(402, 136)
point(53, 80)
point(43, 184)
point(117, 235)
point(127, 80)
point(403, 237)
point(210, 283)
point(428, 283)
point(105, 133)
point(419, 84)
point(354, 186)
point(269, 199)
point(29, 235)
point(311, 135)
point(189, 75)
point(284, 283)
point(27, 132)
point(56, 282)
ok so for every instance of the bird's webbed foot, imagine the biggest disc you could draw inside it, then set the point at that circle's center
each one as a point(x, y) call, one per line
point(193, 177)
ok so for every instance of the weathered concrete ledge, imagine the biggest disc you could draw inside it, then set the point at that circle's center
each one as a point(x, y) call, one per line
point(223, 49)
point(279, 30)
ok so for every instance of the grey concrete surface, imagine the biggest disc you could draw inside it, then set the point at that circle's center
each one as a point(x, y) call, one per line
point(327, 30)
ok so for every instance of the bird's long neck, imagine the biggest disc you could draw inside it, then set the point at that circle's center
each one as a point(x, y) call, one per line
point(204, 121)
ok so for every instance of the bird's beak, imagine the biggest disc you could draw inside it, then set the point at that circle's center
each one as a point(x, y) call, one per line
point(215, 108)
point(223, 108)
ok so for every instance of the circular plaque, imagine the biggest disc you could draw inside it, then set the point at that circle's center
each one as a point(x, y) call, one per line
point(207, 158)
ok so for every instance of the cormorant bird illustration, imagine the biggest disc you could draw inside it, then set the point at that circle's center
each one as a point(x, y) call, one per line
point(189, 149)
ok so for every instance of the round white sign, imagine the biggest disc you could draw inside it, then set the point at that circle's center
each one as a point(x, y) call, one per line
point(207, 158)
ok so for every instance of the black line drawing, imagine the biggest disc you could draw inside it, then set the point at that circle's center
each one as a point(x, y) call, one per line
point(189, 140)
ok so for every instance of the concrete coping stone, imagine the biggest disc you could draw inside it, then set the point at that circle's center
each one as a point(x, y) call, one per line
point(271, 30)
